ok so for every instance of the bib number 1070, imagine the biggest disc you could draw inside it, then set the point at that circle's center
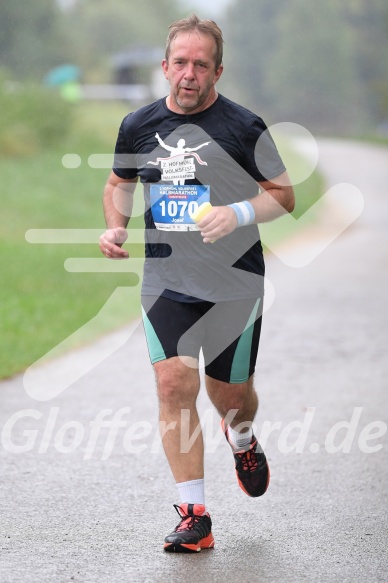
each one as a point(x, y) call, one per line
point(174, 208)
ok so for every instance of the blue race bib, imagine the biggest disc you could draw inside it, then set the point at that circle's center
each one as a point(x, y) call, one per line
point(171, 205)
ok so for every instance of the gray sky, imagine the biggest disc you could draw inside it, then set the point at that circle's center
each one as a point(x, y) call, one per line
point(206, 8)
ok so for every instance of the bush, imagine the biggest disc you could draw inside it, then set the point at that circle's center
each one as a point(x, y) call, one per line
point(32, 118)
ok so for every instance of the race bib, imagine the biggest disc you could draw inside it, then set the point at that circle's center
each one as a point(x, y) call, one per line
point(172, 205)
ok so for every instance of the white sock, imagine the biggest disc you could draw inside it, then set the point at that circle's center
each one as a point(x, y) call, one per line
point(192, 492)
point(240, 439)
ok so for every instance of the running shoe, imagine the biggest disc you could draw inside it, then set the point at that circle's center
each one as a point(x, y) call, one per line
point(251, 466)
point(194, 531)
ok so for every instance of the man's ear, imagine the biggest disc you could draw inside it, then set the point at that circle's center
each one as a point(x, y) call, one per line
point(218, 73)
point(165, 68)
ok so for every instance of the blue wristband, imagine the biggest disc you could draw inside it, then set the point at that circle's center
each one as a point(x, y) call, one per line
point(245, 213)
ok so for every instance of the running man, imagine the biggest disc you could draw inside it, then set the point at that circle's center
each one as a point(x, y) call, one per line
point(197, 295)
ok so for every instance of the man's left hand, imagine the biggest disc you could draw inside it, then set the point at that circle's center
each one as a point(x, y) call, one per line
point(219, 222)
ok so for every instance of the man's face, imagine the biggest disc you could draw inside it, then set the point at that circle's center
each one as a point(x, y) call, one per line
point(191, 72)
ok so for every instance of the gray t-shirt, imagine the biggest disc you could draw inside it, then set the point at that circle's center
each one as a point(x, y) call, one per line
point(225, 148)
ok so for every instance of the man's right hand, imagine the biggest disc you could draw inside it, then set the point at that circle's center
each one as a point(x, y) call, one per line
point(111, 242)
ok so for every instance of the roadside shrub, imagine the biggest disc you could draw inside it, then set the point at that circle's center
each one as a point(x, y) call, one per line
point(32, 118)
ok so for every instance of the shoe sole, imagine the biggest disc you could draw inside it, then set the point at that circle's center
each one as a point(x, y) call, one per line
point(205, 543)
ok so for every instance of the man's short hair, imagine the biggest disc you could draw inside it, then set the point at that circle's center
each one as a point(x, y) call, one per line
point(208, 27)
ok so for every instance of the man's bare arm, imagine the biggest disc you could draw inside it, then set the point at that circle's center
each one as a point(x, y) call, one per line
point(275, 199)
point(117, 204)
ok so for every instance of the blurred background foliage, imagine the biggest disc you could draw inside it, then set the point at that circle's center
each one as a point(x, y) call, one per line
point(31, 118)
point(320, 64)
point(36, 36)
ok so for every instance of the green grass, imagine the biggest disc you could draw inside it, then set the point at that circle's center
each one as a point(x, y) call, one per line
point(42, 304)
point(374, 138)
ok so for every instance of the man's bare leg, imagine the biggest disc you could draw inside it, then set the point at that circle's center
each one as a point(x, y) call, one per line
point(251, 464)
point(240, 396)
point(178, 386)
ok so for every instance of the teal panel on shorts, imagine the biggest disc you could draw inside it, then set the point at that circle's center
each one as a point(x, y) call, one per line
point(242, 357)
point(154, 346)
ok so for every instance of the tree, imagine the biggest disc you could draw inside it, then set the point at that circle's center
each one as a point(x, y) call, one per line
point(31, 39)
point(40, 34)
point(368, 21)
point(312, 75)
point(251, 35)
point(98, 29)
point(321, 64)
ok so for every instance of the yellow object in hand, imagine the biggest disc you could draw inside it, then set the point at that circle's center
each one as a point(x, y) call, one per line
point(201, 212)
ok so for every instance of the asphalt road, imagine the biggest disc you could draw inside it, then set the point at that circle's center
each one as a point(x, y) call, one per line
point(79, 503)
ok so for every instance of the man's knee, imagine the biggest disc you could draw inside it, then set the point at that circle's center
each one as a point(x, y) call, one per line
point(236, 396)
point(177, 381)
point(230, 396)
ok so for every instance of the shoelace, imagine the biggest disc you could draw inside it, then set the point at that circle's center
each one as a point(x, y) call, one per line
point(247, 461)
point(188, 521)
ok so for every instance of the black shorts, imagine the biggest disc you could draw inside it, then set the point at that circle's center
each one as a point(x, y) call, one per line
point(228, 333)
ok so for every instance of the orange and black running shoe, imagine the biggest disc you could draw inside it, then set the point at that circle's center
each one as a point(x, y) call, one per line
point(193, 533)
point(251, 466)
